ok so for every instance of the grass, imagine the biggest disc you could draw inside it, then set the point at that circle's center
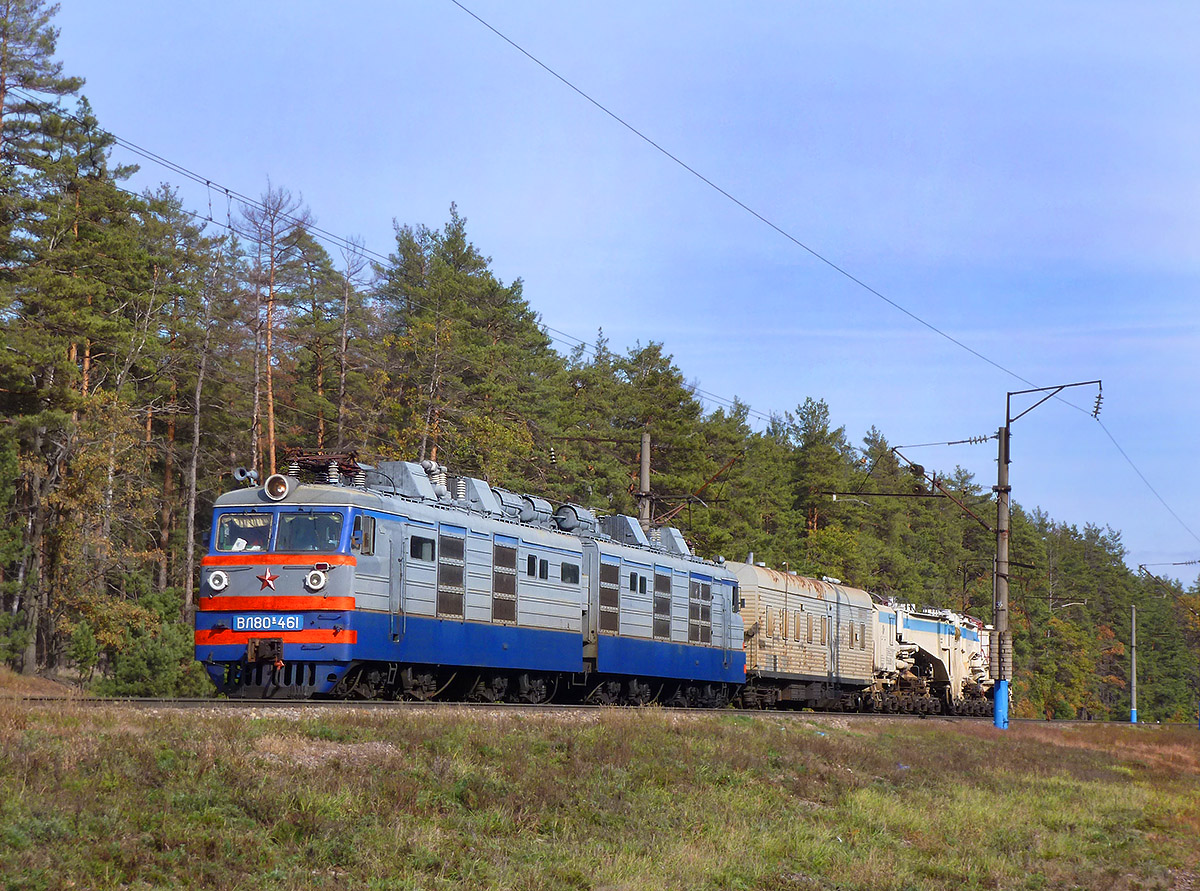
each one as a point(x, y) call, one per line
point(620, 800)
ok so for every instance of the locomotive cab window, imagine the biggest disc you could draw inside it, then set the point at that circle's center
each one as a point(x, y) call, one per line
point(421, 549)
point(308, 532)
point(244, 532)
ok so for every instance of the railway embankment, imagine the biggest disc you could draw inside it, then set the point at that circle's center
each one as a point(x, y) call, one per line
point(334, 797)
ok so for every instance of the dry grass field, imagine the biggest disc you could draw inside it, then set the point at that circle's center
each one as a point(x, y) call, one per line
point(108, 798)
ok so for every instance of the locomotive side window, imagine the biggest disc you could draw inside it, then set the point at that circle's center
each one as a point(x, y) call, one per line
point(421, 549)
point(544, 569)
point(569, 573)
point(363, 538)
point(633, 582)
point(531, 567)
point(504, 581)
point(304, 532)
point(610, 598)
point(451, 580)
point(662, 604)
point(244, 532)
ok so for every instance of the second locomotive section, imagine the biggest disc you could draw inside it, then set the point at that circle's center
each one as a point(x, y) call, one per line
point(400, 588)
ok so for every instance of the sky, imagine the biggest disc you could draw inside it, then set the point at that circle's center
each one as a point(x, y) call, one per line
point(1024, 180)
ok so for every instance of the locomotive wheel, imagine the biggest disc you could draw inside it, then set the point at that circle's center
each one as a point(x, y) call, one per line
point(639, 693)
point(492, 689)
point(605, 693)
point(891, 703)
point(531, 690)
point(678, 699)
point(935, 706)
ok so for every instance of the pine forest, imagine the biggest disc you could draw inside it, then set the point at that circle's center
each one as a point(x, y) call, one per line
point(146, 352)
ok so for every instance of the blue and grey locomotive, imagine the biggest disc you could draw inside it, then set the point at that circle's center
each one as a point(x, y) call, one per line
point(338, 579)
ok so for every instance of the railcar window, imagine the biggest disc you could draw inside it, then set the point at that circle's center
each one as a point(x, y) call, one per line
point(244, 532)
point(633, 582)
point(610, 598)
point(810, 628)
point(569, 574)
point(824, 627)
point(451, 571)
point(531, 566)
point(662, 605)
point(700, 611)
point(504, 582)
point(421, 549)
point(796, 625)
point(641, 584)
point(306, 532)
point(544, 569)
point(862, 636)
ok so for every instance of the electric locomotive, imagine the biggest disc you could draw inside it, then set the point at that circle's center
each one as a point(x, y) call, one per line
point(340, 579)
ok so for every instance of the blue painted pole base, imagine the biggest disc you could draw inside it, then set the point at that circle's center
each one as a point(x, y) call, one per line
point(1001, 713)
point(1133, 716)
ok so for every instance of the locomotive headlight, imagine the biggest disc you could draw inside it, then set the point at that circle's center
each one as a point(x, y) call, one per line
point(218, 580)
point(315, 580)
point(277, 486)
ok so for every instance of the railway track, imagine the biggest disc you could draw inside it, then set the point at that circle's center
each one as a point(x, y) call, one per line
point(375, 705)
point(412, 706)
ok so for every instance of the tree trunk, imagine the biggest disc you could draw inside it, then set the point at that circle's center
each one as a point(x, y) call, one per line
point(341, 415)
point(270, 374)
point(164, 528)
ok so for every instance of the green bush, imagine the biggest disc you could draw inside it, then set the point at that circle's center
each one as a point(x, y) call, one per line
point(158, 661)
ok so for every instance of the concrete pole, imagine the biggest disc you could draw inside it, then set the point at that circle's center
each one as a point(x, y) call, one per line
point(1133, 667)
point(644, 485)
point(1001, 639)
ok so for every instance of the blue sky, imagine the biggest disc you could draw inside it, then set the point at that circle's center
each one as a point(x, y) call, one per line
point(1025, 179)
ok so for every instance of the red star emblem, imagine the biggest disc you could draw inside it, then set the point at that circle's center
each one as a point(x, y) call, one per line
point(268, 580)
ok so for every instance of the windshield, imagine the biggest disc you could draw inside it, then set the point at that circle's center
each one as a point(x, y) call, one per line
point(309, 532)
point(244, 532)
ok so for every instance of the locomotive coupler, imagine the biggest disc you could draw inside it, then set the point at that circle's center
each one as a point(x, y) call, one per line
point(265, 649)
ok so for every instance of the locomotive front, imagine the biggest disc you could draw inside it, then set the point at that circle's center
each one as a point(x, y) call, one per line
point(275, 614)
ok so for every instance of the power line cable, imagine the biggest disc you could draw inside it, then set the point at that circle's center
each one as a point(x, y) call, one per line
point(747, 208)
point(562, 337)
point(318, 232)
point(796, 241)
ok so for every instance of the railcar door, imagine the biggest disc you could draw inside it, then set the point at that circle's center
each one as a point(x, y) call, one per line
point(395, 551)
point(833, 619)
